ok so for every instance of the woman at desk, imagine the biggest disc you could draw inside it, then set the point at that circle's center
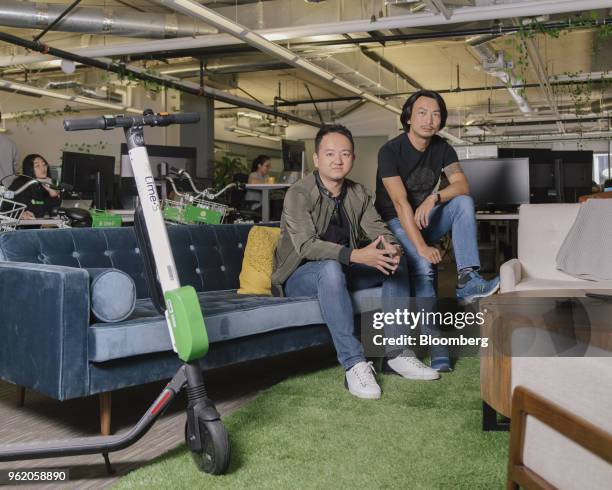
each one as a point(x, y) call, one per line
point(39, 199)
point(259, 171)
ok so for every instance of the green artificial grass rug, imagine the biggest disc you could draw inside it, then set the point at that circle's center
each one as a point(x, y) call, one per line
point(309, 432)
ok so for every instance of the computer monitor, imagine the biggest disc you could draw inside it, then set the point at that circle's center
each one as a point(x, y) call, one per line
point(183, 157)
point(498, 184)
point(293, 155)
point(574, 171)
point(555, 175)
point(90, 175)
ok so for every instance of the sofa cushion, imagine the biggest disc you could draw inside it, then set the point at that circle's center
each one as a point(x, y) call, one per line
point(258, 261)
point(227, 316)
point(112, 293)
point(542, 230)
point(580, 385)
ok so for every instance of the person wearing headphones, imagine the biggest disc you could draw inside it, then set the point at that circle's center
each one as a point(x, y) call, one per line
point(422, 194)
point(39, 199)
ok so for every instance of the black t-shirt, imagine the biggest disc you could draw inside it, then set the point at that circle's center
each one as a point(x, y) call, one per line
point(37, 199)
point(339, 228)
point(419, 170)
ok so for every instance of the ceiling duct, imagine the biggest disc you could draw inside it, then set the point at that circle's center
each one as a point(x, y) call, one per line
point(495, 65)
point(91, 20)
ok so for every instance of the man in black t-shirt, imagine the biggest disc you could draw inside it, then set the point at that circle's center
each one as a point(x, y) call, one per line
point(419, 211)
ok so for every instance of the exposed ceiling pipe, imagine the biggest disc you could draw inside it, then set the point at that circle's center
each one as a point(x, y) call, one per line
point(222, 23)
point(164, 80)
point(92, 20)
point(494, 65)
point(524, 8)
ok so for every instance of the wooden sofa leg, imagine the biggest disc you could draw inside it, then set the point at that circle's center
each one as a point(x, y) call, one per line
point(20, 396)
point(105, 413)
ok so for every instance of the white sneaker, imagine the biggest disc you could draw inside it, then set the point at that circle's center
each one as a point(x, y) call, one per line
point(360, 381)
point(408, 366)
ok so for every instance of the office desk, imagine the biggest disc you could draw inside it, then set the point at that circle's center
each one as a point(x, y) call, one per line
point(25, 223)
point(265, 196)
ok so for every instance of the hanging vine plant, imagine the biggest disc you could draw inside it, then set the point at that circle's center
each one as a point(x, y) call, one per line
point(85, 147)
point(533, 27)
point(25, 118)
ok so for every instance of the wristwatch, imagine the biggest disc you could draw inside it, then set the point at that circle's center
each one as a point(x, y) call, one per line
point(438, 197)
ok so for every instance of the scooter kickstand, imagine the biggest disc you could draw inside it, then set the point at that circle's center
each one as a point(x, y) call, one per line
point(109, 468)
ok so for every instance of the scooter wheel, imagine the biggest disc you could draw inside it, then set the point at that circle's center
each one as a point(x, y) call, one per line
point(215, 455)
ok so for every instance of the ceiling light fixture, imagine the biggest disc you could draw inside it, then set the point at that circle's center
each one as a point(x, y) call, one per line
point(5, 84)
point(254, 134)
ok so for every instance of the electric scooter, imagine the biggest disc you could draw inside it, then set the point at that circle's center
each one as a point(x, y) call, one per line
point(205, 434)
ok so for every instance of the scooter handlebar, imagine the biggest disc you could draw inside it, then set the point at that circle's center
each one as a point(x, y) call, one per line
point(121, 121)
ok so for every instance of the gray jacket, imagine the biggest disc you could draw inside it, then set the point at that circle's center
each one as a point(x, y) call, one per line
point(306, 216)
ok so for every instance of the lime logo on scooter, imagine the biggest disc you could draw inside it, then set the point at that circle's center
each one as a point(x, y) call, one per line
point(152, 192)
point(185, 316)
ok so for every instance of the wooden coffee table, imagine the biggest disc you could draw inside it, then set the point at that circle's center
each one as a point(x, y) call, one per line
point(559, 311)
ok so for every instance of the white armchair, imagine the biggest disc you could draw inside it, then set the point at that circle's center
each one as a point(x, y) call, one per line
point(541, 231)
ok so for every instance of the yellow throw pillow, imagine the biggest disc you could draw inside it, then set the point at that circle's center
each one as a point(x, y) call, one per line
point(258, 262)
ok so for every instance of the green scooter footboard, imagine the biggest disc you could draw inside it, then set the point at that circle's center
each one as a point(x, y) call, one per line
point(187, 323)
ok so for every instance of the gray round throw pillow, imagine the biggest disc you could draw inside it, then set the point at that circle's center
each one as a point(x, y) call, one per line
point(113, 294)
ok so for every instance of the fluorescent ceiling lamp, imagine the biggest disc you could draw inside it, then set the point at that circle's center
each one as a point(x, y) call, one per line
point(312, 68)
point(348, 86)
point(73, 98)
point(254, 134)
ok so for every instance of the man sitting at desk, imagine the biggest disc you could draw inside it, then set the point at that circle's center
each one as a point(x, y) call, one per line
point(318, 255)
point(39, 199)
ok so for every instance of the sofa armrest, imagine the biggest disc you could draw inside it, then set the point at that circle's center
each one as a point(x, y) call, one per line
point(43, 326)
point(510, 274)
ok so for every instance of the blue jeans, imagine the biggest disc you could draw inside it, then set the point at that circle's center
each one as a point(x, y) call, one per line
point(330, 282)
point(456, 216)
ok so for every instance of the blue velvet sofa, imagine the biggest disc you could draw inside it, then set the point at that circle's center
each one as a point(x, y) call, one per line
point(51, 344)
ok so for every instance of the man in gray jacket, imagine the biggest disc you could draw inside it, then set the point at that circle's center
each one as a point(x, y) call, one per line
point(318, 254)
